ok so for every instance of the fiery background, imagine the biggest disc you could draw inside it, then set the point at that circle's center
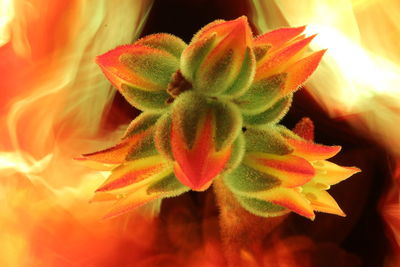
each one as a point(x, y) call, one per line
point(55, 104)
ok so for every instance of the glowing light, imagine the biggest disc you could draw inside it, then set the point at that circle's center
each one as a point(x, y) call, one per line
point(6, 16)
point(16, 162)
point(50, 84)
point(361, 73)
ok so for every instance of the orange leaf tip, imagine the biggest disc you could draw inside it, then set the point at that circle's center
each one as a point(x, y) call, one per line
point(139, 66)
point(279, 37)
point(195, 167)
point(312, 151)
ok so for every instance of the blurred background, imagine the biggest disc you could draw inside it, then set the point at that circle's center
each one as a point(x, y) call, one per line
point(55, 105)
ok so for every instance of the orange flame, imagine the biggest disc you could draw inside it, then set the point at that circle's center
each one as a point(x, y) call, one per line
point(50, 88)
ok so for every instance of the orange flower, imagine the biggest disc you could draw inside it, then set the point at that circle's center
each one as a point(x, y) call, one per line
point(210, 109)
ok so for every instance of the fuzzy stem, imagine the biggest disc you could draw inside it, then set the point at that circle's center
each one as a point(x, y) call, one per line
point(242, 232)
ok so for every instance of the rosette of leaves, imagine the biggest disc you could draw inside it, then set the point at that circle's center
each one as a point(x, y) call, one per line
point(210, 110)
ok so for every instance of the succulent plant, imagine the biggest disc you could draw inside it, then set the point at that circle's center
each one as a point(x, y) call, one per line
point(210, 110)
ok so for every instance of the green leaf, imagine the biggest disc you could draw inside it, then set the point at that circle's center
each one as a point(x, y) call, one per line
point(260, 207)
point(228, 122)
point(141, 123)
point(270, 116)
point(189, 111)
point(261, 95)
point(193, 56)
point(266, 140)
point(246, 179)
point(162, 136)
point(144, 148)
point(145, 100)
point(245, 76)
point(168, 186)
point(238, 149)
point(164, 41)
point(151, 66)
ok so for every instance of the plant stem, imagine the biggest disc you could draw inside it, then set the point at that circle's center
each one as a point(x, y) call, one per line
point(242, 232)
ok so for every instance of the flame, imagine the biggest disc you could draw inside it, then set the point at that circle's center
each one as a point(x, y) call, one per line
point(53, 101)
point(6, 16)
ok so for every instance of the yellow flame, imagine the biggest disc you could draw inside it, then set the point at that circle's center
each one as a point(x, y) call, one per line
point(6, 16)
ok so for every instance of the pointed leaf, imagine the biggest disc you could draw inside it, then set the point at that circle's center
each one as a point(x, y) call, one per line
point(132, 174)
point(278, 37)
point(162, 136)
point(135, 136)
point(312, 151)
point(146, 100)
point(245, 76)
point(261, 207)
point(190, 108)
point(117, 154)
point(156, 187)
point(299, 72)
point(329, 173)
point(133, 200)
point(221, 25)
point(305, 129)
point(202, 134)
point(167, 185)
point(246, 179)
point(141, 123)
point(141, 196)
point(164, 41)
point(138, 66)
point(228, 65)
point(227, 123)
point(238, 150)
point(278, 61)
point(289, 198)
point(197, 166)
point(261, 95)
point(266, 140)
point(187, 111)
point(194, 55)
point(322, 201)
point(144, 148)
point(270, 116)
point(260, 51)
point(291, 170)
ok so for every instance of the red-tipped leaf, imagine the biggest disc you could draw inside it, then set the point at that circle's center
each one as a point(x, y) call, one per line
point(195, 167)
point(299, 72)
point(291, 170)
point(278, 37)
point(312, 151)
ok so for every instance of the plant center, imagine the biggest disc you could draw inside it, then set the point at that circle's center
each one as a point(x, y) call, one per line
point(177, 85)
